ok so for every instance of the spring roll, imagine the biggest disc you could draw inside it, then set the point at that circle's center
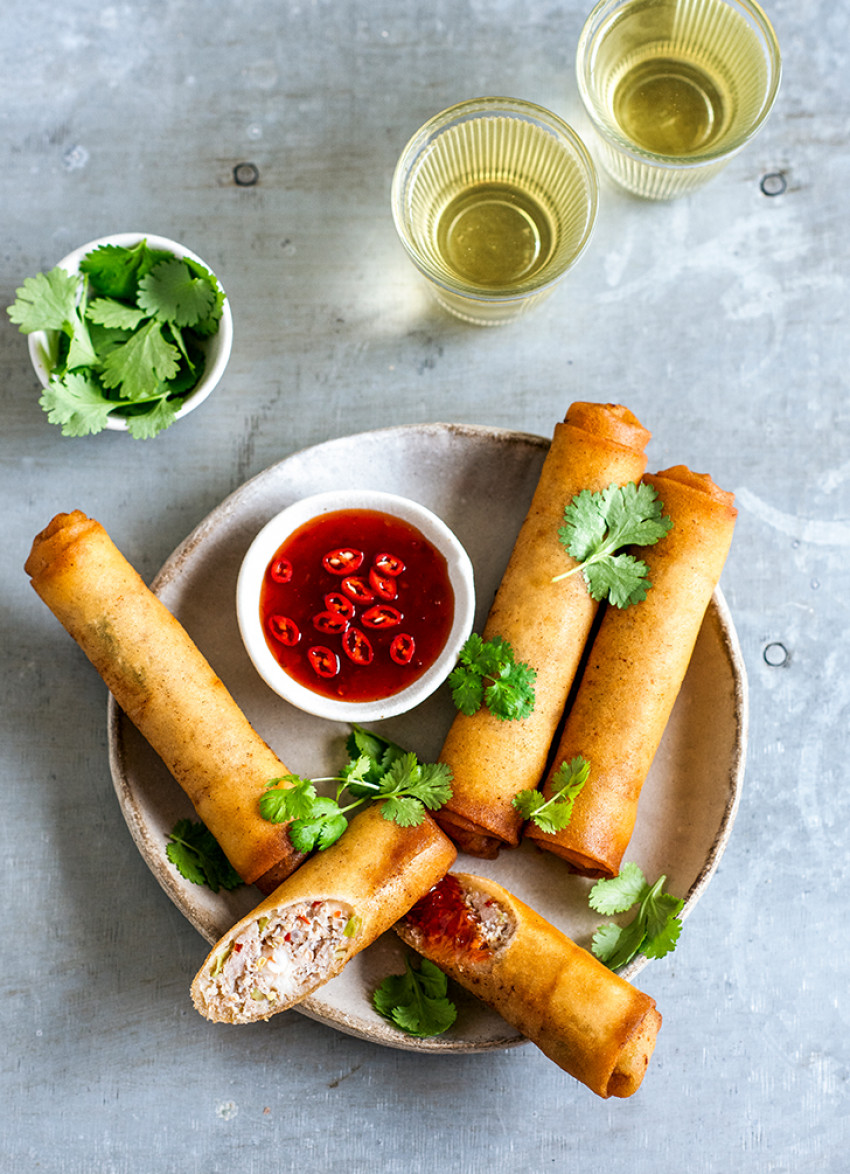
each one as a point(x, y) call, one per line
point(592, 1023)
point(634, 673)
point(167, 689)
point(336, 905)
point(546, 623)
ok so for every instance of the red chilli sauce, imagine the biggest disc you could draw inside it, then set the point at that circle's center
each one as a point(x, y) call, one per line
point(447, 923)
point(356, 605)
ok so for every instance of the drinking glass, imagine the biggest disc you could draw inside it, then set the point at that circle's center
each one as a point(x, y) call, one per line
point(494, 199)
point(675, 88)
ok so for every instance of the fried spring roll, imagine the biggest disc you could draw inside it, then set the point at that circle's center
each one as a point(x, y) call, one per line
point(336, 905)
point(167, 689)
point(592, 1023)
point(635, 670)
point(546, 623)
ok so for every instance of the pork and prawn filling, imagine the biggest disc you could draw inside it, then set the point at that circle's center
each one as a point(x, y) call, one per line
point(279, 957)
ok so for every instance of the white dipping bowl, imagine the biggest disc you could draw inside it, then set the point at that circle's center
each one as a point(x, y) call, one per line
point(216, 348)
point(268, 542)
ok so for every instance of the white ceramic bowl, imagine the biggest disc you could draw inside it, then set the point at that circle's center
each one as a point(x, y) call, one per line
point(216, 347)
point(269, 541)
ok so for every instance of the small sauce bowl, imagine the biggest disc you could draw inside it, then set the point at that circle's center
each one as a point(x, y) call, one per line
point(296, 521)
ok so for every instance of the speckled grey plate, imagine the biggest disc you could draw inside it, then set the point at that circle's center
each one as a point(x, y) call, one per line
point(480, 481)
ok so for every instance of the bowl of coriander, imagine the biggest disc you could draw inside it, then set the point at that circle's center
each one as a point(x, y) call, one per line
point(129, 332)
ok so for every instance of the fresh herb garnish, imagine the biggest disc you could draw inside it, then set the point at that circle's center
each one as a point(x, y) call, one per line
point(128, 333)
point(416, 1000)
point(653, 931)
point(554, 814)
point(378, 770)
point(597, 525)
point(195, 853)
point(488, 674)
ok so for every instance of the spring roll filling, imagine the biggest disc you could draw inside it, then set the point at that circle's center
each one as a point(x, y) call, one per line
point(277, 956)
point(453, 918)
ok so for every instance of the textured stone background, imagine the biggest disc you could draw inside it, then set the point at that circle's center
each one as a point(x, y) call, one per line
point(720, 320)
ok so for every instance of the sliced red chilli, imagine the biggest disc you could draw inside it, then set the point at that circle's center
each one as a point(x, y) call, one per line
point(403, 648)
point(384, 586)
point(332, 623)
point(382, 616)
point(323, 661)
point(281, 570)
point(285, 630)
point(388, 564)
point(357, 589)
point(357, 646)
point(338, 603)
point(343, 561)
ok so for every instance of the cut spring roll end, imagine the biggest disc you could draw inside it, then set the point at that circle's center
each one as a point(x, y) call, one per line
point(589, 1021)
point(309, 928)
point(634, 673)
point(546, 623)
point(166, 687)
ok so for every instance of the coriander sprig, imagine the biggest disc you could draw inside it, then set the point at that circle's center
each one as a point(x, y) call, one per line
point(488, 674)
point(653, 931)
point(377, 769)
point(554, 814)
point(197, 856)
point(416, 1001)
point(597, 525)
point(126, 336)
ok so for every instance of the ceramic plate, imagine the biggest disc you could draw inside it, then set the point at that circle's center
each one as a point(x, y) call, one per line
point(479, 481)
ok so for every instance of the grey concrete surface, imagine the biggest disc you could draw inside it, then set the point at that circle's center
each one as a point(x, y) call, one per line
point(721, 320)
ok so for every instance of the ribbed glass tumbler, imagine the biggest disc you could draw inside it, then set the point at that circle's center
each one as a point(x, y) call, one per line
point(494, 200)
point(675, 88)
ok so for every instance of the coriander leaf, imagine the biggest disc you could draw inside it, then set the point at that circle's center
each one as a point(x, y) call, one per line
point(620, 948)
point(620, 892)
point(598, 524)
point(621, 578)
point(416, 1001)
point(195, 853)
point(114, 270)
point(81, 353)
point(404, 810)
point(511, 696)
point(554, 814)
point(77, 403)
point(108, 312)
point(138, 365)
point(528, 801)
point(173, 294)
point(47, 301)
point(488, 673)
point(429, 783)
point(209, 325)
point(653, 931)
point(433, 784)
point(146, 425)
point(321, 828)
point(606, 941)
point(661, 925)
point(467, 690)
point(664, 941)
point(293, 801)
point(584, 527)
